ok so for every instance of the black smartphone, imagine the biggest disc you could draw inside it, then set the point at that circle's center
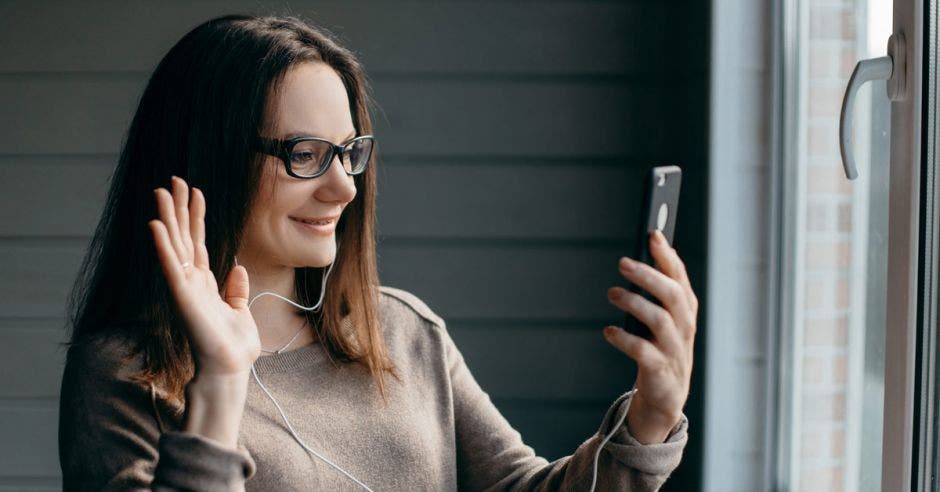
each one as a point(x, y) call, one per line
point(660, 204)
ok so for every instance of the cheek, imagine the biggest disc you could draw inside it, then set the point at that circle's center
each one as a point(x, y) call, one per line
point(257, 228)
point(264, 221)
point(277, 197)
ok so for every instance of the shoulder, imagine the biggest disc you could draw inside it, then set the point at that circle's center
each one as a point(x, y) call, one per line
point(99, 390)
point(106, 383)
point(114, 364)
point(411, 329)
point(399, 305)
point(108, 356)
point(105, 373)
point(102, 376)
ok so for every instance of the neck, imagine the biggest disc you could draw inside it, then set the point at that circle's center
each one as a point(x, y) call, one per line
point(276, 319)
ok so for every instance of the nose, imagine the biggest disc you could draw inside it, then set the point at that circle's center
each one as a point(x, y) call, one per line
point(335, 184)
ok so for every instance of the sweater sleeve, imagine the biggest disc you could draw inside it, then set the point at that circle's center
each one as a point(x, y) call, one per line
point(110, 437)
point(492, 456)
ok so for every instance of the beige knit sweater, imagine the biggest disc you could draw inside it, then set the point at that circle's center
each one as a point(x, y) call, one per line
point(439, 432)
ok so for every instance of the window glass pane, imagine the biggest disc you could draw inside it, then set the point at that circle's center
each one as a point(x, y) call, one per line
point(841, 246)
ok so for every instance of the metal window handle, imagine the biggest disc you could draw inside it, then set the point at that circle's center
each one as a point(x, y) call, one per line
point(891, 68)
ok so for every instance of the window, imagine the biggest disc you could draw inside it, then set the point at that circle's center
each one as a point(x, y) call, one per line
point(854, 295)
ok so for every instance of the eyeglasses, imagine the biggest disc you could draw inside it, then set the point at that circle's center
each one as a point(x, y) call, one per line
point(309, 157)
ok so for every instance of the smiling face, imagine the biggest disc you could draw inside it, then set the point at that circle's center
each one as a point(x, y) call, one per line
point(312, 102)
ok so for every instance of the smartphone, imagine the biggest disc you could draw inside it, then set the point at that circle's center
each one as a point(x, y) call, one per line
point(658, 211)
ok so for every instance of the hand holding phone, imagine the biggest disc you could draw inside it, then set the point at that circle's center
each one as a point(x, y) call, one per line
point(660, 204)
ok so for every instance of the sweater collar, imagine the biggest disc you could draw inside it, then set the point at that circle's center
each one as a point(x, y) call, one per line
point(307, 356)
point(310, 355)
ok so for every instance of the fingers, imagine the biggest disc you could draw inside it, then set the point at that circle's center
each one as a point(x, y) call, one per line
point(639, 349)
point(197, 214)
point(175, 213)
point(168, 217)
point(659, 321)
point(169, 260)
point(668, 261)
point(181, 207)
point(672, 295)
point(236, 288)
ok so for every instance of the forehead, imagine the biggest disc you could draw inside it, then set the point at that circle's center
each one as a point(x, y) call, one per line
point(312, 100)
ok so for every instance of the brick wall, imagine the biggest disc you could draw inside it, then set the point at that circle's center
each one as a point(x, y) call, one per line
point(827, 242)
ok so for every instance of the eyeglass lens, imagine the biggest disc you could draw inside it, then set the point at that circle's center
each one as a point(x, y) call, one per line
point(309, 157)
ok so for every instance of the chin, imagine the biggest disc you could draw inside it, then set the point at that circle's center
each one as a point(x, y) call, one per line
point(320, 260)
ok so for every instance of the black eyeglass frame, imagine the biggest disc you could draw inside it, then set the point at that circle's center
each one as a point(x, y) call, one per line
point(283, 148)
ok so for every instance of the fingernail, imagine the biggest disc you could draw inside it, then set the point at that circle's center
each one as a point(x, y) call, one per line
point(609, 331)
point(614, 293)
point(626, 263)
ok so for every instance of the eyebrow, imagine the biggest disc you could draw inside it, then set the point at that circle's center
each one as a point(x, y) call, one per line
point(307, 134)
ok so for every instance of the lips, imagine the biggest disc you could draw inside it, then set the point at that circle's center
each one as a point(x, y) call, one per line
point(315, 220)
point(310, 225)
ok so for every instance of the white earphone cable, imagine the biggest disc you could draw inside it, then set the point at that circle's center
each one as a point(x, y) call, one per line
point(316, 306)
point(254, 373)
point(597, 452)
point(298, 439)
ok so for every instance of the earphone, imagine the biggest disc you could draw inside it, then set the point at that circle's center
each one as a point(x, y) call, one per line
point(254, 373)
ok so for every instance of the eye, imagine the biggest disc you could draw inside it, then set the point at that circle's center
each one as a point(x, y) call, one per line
point(303, 156)
point(309, 152)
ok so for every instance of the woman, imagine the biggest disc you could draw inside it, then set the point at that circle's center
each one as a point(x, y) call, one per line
point(180, 374)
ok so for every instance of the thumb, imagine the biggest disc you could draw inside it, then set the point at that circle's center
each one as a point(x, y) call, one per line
point(236, 288)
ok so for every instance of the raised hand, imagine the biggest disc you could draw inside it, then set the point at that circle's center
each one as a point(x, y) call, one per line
point(664, 365)
point(222, 332)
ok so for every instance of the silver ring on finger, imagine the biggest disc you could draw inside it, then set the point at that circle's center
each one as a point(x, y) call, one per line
point(186, 265)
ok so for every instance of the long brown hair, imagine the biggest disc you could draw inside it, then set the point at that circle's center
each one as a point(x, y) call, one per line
point(198, 116)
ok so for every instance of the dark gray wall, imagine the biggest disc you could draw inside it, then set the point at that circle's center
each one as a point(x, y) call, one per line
point(513, 140)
